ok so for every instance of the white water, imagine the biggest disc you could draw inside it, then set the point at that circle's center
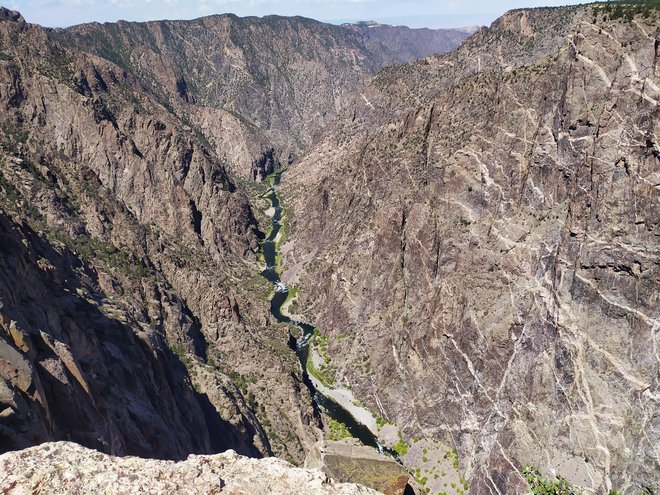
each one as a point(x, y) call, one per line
point(281, 287)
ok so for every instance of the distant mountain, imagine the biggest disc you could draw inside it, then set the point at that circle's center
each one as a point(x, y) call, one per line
point(272, 81)
point(408, 44)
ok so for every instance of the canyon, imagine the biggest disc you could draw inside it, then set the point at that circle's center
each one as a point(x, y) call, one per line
point(471, 238)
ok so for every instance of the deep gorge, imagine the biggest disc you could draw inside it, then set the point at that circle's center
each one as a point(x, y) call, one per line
point(472, 238)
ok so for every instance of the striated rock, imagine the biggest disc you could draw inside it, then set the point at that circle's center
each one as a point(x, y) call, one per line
point(350, 461)
point(64, 468)
point(479, 238)
point(477, 235)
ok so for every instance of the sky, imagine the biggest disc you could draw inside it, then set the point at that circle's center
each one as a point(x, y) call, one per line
point(413, 13)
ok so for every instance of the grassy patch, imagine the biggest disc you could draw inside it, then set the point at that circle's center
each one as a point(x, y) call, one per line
point(12, 194)
point(260, 257)
point(452, 455)
point(401, 447)
point(180, 352)
point(15, 135)
point(291, 298)
point(321, 374)
point(338, 430)
point(326, 371)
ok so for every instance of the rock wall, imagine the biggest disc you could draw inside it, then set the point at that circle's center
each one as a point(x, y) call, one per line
point(138, 214)
point(479, 236)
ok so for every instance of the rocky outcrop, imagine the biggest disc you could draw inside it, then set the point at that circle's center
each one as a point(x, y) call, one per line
point(74, 368)
point(64, 468)
point(11, 15)
point(479, 237)
point(350, 461)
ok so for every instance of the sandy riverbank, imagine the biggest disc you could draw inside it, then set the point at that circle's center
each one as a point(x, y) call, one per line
point(345, 398)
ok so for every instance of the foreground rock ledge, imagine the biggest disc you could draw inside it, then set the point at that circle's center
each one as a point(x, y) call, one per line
point(350, 461)
point(68, 468)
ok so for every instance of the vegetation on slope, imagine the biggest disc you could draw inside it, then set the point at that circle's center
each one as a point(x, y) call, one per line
point(627, 9)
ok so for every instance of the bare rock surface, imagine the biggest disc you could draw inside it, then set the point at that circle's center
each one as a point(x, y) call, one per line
point(259, 89)
point(350, 461)
point(74, 368)
point(479, 239)
point(67, 468)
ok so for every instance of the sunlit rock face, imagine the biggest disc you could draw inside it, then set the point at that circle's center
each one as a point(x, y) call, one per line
point(479, 237)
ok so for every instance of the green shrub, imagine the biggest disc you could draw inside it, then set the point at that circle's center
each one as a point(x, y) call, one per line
point(338, 430)
point(401, 447)
point(539, 486)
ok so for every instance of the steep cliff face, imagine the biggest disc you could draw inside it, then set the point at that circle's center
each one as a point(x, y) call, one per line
point(248, 83)
point(407, 44)
point(75, 366)
point(138, 247)
point(480, 240)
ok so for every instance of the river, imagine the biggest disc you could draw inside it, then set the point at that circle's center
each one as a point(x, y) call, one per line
point(269, 250)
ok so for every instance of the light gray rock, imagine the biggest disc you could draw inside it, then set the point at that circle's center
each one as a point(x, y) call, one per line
point(67, 468)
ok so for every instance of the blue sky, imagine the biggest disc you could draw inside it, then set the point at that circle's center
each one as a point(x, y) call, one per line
point(414, 13)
